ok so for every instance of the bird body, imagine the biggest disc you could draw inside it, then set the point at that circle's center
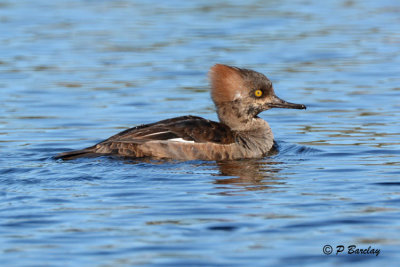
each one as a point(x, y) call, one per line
point(239, 95)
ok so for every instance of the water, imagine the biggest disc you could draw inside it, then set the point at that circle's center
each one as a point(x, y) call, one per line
point(75, 72)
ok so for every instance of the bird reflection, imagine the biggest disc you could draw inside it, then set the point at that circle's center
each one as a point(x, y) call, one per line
point(250, 174)
point(244, 174)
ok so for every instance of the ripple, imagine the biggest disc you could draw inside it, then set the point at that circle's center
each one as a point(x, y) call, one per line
point(226, 228)
point(388, 183)
point(29, 223)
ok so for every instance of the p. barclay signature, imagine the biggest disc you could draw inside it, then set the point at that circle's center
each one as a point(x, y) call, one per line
point(352, 249)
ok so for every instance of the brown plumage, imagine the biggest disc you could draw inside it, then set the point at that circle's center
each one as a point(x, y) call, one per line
point(239, 95)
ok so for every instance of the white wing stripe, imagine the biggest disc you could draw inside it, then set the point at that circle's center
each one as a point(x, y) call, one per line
point(180, 140)
point(154, 133)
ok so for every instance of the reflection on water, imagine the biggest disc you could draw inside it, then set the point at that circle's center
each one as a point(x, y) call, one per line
point(251, 174)
point(75, 72)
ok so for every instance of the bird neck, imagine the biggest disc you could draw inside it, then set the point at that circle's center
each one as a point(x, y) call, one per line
point(238, 119)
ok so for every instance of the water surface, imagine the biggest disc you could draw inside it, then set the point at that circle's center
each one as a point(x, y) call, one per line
point(75, 72)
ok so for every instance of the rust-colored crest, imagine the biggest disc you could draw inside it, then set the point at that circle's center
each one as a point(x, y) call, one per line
point(226, 83)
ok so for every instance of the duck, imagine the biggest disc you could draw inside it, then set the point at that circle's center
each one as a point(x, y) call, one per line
point(239, 95)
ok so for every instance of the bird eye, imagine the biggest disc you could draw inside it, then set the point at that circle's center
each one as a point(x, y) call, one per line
point(258, 93)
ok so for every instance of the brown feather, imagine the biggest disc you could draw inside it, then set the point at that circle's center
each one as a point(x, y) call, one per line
point(128, 142)
point(226, 83)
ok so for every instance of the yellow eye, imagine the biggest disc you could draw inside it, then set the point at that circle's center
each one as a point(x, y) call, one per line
point(258, 93)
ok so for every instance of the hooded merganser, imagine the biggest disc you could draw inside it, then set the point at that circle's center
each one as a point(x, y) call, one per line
point(239, 95)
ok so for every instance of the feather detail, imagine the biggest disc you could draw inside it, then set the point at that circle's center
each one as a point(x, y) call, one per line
point(181, 130)
point(227, 83)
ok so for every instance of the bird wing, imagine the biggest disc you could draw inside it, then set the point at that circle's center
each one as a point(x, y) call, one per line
point(183, 129)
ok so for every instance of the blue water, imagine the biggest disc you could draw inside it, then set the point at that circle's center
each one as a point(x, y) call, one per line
point(75, 72)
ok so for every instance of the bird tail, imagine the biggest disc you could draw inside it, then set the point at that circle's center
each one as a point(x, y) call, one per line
point(86, 152)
